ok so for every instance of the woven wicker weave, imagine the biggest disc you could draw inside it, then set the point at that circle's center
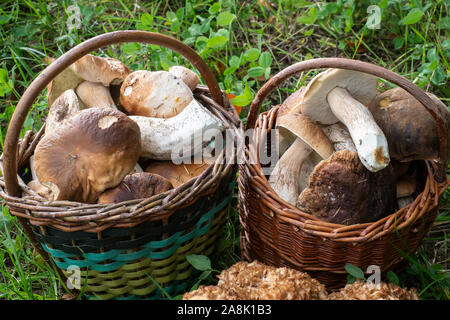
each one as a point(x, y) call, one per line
point(277, 233)
point(129, 249)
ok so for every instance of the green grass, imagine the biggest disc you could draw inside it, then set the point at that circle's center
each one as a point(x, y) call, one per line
point(243, 42)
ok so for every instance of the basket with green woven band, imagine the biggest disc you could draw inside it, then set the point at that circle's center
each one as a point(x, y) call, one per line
point(135, 249)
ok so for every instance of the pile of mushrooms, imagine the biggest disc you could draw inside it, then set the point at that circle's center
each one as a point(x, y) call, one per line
point(257, 281)
point(105, 123)
point(348, 152)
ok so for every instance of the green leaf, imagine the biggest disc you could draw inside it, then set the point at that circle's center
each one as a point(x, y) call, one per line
point(234, 61)
point(255, 72)
point(5, 83)
point(412, 17)
point(398, 42)
point(354, 271)
point(216, 42)
point(225, 18)
point(147, 19)
point(243, 99)
point(251, 55)
point(392, 277)
point(265, 60)
point(439, 77)
point(199, 262)
point(130, 48)
point(308, 32)
point(214, 8)
point(309, 18)
point(444, 23)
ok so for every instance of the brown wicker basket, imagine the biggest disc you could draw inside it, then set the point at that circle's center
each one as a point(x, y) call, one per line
point(129, 249)
point(277, 233)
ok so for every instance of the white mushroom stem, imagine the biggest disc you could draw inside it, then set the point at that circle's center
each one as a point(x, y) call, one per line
point(367, 136)
point(163, 139)
point(284, 179)
point(95, 95)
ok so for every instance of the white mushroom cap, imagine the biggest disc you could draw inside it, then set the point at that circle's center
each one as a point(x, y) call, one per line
point(157, 94)
point(98, 69)
point(189, 77)
point(361, 86)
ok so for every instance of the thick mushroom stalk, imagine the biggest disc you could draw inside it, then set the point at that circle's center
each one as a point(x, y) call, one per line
point(284, 178)
point(369, 140)
point(163, 139)
point(341, 95)
point(95, 95)
point(308, 137)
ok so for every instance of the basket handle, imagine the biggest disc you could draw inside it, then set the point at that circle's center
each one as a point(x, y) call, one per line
point(365, 67)
point(44, 78)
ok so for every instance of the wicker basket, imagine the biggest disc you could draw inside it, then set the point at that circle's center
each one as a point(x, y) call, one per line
point(277, 233)
point(132, 249)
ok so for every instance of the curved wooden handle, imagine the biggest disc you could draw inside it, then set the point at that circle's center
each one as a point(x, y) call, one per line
point(49, 73)
point(365, 67)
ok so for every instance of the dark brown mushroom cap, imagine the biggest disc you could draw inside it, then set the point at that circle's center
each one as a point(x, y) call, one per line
point(409, 128)
point(87, 154)
point(136, 186)
point(341, 190)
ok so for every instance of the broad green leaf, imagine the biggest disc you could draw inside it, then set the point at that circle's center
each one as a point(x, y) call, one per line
point(251, 55)
point(130, 48)
point(225, 18)
point(392, 277)
point(255, 72)
point(412, 17)
point(199, 262)
point(216, 42)
point(214, 8)
point(265, 60)
point(354, 271)
point(309, 18)
point(243, 99)
point(234, 61)
point(147, 19)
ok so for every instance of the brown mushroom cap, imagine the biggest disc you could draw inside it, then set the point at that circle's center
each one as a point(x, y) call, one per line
point(87, 154)
point(136, 186)
point(99, 69)
point(157, 94)
point(291, 102)
point(341, 190)
point(256, 281)
point(177, 174)
point(409, 129)
point(370, 291)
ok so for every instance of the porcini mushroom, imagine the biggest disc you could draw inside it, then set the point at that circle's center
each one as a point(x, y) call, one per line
point(308, 137)
point(189, 77)
point(87, 154)
point(341, 95)
point(163, 138)
point(177, 174)
point(64, 107)
point(409, 128)
point(99, 69)
point(136, 186)
point(341, 190)
point(157, 94)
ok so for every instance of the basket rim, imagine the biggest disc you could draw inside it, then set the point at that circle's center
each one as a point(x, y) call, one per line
point(300, 220)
